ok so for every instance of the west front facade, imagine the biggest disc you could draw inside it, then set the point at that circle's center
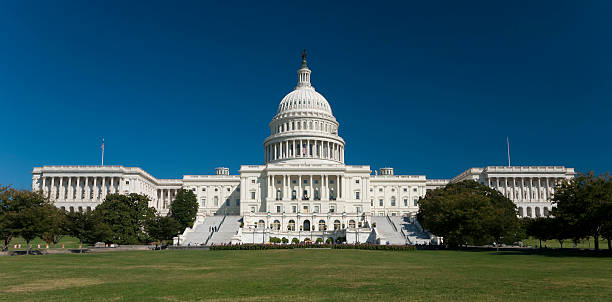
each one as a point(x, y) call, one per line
point(303, 190)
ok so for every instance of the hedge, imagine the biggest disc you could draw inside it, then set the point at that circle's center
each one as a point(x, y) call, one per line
point(364, 246)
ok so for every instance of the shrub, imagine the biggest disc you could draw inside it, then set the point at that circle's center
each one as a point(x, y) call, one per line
point(295, 241)
point(319, 241)
point(363, 246)
point(329, 240)
point(285, 240)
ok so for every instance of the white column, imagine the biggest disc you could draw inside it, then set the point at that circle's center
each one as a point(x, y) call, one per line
point(43, 186)
point(96, 190)
point(103, 194)
point(86, 189)
point(539, 188)
point(70, 189)
point(311, 193)
point(547, 189)
point(62, 192)
point(299, 187)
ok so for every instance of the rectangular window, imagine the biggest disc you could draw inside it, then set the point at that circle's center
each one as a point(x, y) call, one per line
point(332, 208)
point(356, 181)
point(316, 181)
point(227, 202)
point(405, 202)
point(414, 189)
point(252, 181)
point(405, 190)
point(380, 202)
point(294, 209)
point(316, 209)
point(252, 195)
point(278, 209)
point(252, 209)
point(357, 195)
point(358, 209)
point(203, 202)
point(416, 202)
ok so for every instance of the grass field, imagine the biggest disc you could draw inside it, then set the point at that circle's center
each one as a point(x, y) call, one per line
point(305, 275)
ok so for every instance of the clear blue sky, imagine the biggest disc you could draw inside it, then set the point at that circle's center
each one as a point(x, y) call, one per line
point(427, 87)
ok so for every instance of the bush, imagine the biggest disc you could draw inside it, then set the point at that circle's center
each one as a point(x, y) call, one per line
point(329, 240)
point(295, 241)
point(285, 240)
point(319, 241)
point(363, 246)
point(275, 240)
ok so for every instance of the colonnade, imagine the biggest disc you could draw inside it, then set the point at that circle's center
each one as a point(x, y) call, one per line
point(329, 187)
point(525, 188)
point(165, 198)
point(83, 188)
point(304, 148)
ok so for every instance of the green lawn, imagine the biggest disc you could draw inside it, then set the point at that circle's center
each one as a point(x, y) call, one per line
point(305, 275)
point(588, 243)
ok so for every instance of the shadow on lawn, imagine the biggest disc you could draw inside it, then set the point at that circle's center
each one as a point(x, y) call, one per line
point(548, 252)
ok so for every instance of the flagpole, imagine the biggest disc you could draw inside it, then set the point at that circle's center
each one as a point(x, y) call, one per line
point(102, 152)
point(508, 143)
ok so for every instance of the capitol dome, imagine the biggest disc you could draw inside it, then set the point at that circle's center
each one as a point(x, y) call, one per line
point(304, 130)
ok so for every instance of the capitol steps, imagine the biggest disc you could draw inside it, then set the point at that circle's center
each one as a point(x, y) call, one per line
point(227, 230)
point(201, 231)
point(388, 231)
point(411, 229)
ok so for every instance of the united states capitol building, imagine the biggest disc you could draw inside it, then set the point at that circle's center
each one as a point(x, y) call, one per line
point(302, 190)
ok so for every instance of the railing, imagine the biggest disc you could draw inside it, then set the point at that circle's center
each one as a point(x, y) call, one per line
point(392, 224)
point(217, 227)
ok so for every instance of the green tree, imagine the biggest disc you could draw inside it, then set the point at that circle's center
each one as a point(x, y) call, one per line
point(6, 231)
point(126, 215)
point(584, 203)
point(469, 213)
point(295, 241)
point(184, 208)
point(26, 214)
point(57, 225)
point(162, 228)
point(285, 240)
point(87, 227)
point(540, 228)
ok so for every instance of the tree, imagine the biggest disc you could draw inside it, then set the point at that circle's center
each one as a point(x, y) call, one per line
point(126, 215)
point(469, 213)
point(26, 214)
point(295, 241)
point(57, 225)
point(87, 227)
point(184, 208)
point(6, 232)
point(585, 203)
point(285, 240)
point(162, 228)
point(539, 228)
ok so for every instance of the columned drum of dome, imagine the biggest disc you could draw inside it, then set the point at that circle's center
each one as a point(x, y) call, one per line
point(304, 128)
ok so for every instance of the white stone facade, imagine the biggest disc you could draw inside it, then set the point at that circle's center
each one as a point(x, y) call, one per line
point(303, 190)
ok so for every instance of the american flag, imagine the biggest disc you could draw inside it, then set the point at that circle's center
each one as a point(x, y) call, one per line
point(102, 144)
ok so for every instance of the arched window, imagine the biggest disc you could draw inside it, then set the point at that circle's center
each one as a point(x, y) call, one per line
point(322, 225)
point(528, 211)
point(546, 212)
point(336, 225)
point(352, 224)
point(216, 200)
point(276, 225)
point(88, 209)
point(520, 210)
point(261, 224)
point(63, 208)
point(279, 196)
point(537, 211)
point(306, 225)
point(291, 225)
point(71, 209)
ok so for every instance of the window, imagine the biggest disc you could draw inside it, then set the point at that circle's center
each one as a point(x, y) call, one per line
point(379, 189)
point(371, 202)
point(252, 209)
point(293, 194)
point(331, 181)
point(203, 189)
point(294, 209)
point(405, 202)
point(316, 209)
point(316, 181)
point(414, 189)
point(380, 202)
point(227, 202)
point(305, 181)
point(416, 202)
point(203, 202)
point(216, 200)
point(228, 189)
point(393, 201)
point(127, 182)
point(278, 209)
point(293, 181)
point(193, 189)
point(278, 182)
point(216, 189)
point(252, 181)
point(358, 209)
point(237, 202)
point(253, 195)
point(357, 195)
point(392, 189)
point(405, 189)
point(356, 181)
point(332, 208)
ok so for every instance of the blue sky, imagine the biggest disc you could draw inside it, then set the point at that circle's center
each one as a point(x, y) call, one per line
point(427, 87)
